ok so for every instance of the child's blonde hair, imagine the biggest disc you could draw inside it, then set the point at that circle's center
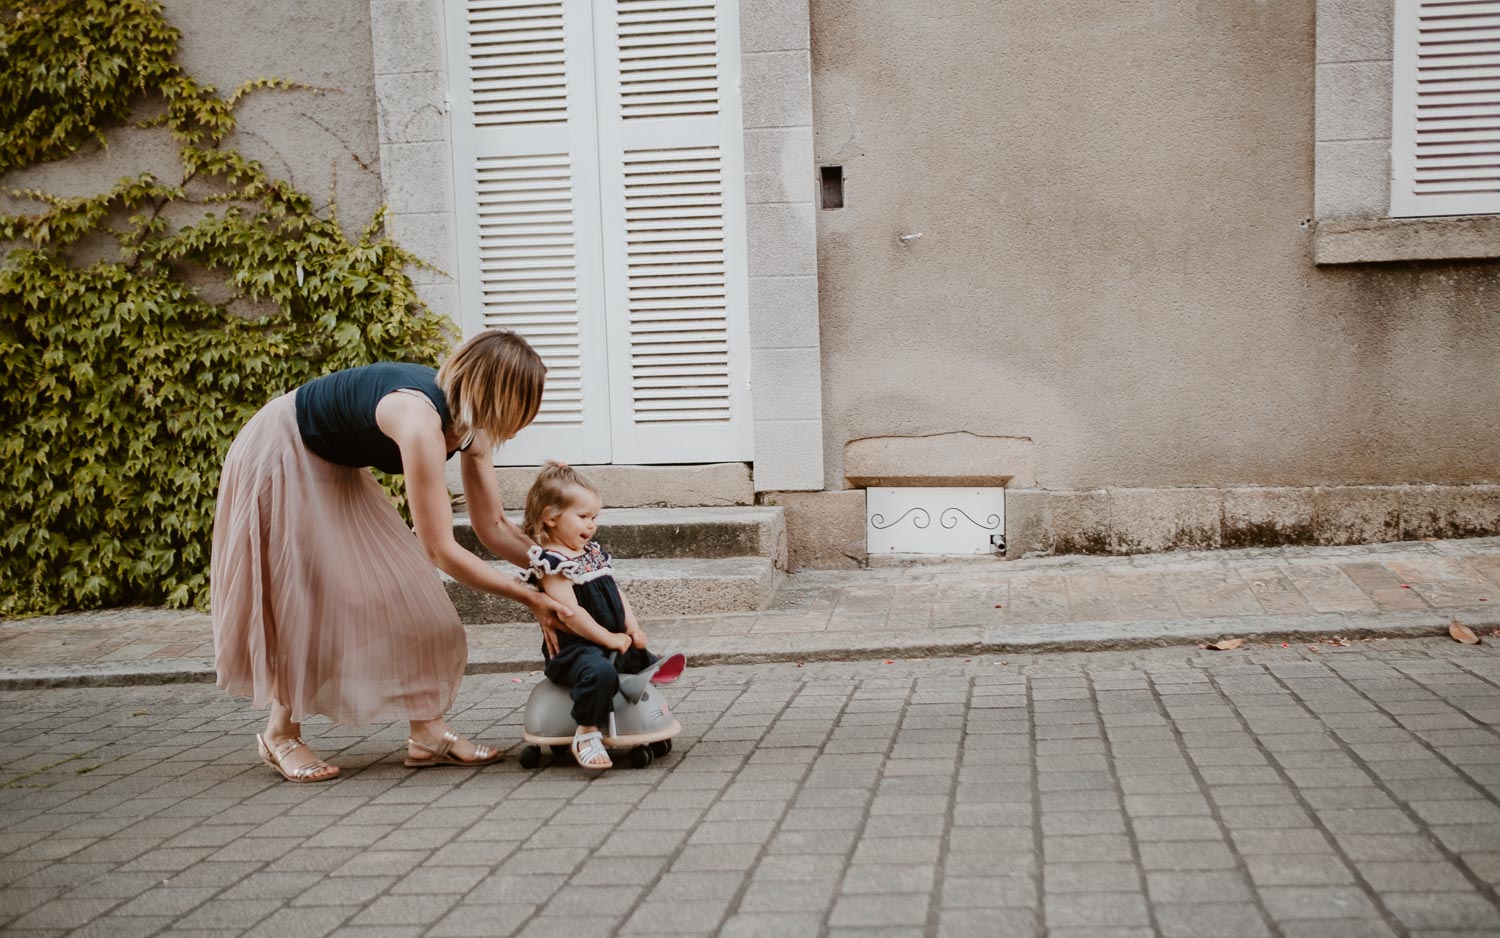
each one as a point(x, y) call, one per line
point(550, 494)
point(493, 382)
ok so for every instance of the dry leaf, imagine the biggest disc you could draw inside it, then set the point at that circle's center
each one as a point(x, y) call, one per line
point(1228, 644)
point(1462, 633)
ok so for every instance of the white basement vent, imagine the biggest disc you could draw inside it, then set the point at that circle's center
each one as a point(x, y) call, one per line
point(934, 520)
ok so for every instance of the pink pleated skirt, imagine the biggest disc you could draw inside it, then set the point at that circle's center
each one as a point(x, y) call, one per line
point(323, 599)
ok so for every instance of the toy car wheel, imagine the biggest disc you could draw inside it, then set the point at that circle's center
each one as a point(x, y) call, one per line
point(640, 757)
point(531, 757)
point(660, 748)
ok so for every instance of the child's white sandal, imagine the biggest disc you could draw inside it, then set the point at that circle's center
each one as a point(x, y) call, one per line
point(588, 747)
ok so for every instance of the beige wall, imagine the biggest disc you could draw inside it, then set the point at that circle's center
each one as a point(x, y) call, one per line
point(1115, 262)
point(325, 143)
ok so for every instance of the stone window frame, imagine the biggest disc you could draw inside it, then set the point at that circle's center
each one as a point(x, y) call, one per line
point(1351, 205)
point(416, 171)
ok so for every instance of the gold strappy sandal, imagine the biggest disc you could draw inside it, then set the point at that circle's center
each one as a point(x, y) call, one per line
point(442, 753)
point(303, 773)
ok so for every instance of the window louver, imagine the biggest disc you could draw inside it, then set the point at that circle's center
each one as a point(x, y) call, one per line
point(517, 65)
point(676, 285)
point(1446, 107)
point(668, 57)
point(528, 267)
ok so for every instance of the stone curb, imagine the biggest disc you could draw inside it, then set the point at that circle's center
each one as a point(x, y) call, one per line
point(520, 654)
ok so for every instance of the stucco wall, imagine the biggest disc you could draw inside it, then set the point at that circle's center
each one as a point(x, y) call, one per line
point(1115, 203)
point(325, 143)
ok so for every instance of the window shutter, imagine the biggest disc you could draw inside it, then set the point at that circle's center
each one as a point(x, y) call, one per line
point(672, 190)
point(1445, 133)
point(526, 178)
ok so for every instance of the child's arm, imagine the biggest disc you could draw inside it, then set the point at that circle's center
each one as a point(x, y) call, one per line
point(632, 626)
point(580, 623)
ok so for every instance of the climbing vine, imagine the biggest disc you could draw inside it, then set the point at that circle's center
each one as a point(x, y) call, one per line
point(127, 359)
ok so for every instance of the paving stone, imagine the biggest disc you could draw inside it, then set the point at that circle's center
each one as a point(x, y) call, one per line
point(165, 900)
point(1211, 920)
point(1090, 877)
point(1306, 869)
point(1095, 909)
point(1285, 903)
point(1467, 912)
point(984, 923)
point(770, 924)
point(867, 911)
point(1176, 888)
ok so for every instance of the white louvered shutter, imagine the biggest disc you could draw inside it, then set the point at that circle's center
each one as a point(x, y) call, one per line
point(672, 191)
point(526, 181)
point(1445, 133)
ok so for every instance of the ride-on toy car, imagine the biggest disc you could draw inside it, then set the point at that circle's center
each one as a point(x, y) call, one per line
point(642, 722)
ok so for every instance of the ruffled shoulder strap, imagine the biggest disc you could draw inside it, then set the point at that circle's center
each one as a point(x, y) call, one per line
point(547, 562)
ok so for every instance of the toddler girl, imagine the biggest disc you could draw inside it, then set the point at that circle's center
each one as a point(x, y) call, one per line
point(604, 639)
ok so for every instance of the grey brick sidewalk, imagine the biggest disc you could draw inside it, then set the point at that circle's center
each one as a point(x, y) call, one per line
point(1322, 791)
point(1064, 603)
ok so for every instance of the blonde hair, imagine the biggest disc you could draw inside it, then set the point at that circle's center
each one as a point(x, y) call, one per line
point(493, 382)
point(550, 494)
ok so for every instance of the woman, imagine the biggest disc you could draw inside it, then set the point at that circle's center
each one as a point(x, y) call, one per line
point(324, 602)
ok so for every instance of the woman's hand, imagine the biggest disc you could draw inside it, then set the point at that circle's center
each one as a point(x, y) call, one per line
point(637, 637)
point(620, 642)
point(549, 614)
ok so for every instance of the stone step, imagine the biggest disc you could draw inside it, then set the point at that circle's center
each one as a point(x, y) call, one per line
point(668, 533)
point(675, 586)
point(624, 486)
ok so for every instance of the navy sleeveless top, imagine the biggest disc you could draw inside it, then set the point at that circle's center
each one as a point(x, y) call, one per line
point(336, 413)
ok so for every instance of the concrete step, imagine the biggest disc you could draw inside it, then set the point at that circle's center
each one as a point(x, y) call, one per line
point(675, 586)
point(623, 486)
point(680, 533)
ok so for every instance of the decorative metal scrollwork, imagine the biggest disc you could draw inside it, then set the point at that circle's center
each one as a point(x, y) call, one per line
point(948, 520)
point(877, 520)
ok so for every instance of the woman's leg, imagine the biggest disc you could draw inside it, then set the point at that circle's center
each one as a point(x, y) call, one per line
point(279, 729)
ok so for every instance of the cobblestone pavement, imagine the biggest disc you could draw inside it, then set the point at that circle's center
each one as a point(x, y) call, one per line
point(1301, 791)
point(1404, 589)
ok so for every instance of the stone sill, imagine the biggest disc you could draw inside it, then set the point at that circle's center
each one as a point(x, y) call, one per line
point(1381, 240)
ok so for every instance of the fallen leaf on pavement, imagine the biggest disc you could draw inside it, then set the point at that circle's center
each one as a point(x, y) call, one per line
point(1462, 633)
point(1228, 644)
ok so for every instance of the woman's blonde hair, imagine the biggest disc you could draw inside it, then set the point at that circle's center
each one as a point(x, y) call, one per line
point(493, 383)
point(550, 494)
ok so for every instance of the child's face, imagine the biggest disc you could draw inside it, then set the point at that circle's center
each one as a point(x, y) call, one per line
point(575, 525)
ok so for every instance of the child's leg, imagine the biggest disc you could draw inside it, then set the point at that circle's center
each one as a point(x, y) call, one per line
point(594, 683)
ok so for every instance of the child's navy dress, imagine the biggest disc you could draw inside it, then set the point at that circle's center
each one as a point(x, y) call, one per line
point(588, 669)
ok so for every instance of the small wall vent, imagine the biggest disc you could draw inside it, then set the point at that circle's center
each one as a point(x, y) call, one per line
point(920, 520)
point(831, 186)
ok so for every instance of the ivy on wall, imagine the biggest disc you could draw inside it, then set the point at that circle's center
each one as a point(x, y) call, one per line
point(121, 383)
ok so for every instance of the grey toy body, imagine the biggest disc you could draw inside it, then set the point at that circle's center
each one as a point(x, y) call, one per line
point(641, 722)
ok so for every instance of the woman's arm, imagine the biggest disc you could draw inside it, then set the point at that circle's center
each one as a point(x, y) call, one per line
point(418, 431)
point(486, 514)
point(581, 623)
